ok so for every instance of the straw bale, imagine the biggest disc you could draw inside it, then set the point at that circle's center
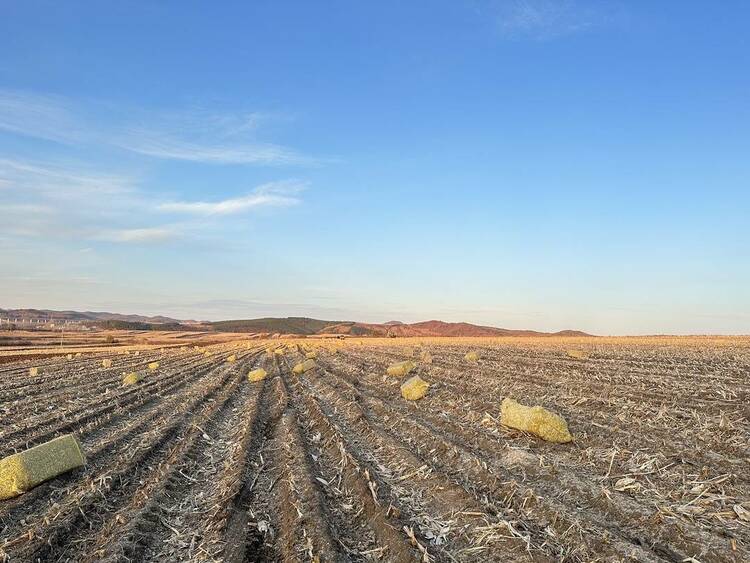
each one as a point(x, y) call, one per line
point(23, 471)
point(256, 375)
point(414, 388)
point(536, 420)
point(401, 369)
point(302, 367)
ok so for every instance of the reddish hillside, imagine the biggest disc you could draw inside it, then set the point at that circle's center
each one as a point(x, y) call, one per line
point(433, 328)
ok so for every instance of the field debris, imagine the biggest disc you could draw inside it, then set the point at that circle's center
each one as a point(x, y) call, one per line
point(400, 369)
point(414, 388)
point(578, 354)
point(256, 375)
point(302, 367)
point(131, 378)
point(23, 471)
point(472, 356)
point(425, 357)
point(153, 365)
point(535, 420)
point(107, 363)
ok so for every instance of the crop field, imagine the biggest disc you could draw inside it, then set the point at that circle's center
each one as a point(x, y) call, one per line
point(196, 463)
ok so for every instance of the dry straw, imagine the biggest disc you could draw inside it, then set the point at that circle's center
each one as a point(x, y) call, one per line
point(401, 369)
point(23, 471)
point(131, 378)
point(256, 375)
point(153, 365)
point(33, 371)
point(232, 358)
point(536, 420)
point(311, 355)
point(69, 356)
point(414, 388)
point(472, 356)
point(302, 367)
point(106, 363)
point(577, 354)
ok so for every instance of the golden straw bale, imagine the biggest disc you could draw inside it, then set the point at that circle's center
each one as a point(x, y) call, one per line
point(311, 355)
point(232, 358)
point(414, 388)
point(472, 356)
point(33, 371)
point(23, 471)
point(302, 367)
point(107, 363)
point(153, 365)
point(256, 375)
point(401, 369)
point(131, 378)
point(69, 356)
point(536, 420)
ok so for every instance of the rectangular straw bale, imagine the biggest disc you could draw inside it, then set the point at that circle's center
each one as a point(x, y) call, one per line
point(401, 369)
point(232, 358)
point(23, 471)
point(536, 420)
point(69, 356)
point(256, 375)
point(414, 388)
point(302, 367)
point(131, 378)
point(107, 363)
point(33, 371)
point(311, 355)
point(153, 365)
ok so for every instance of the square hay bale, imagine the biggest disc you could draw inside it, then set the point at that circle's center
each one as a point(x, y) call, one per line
point(153, 365)
point(33, 371)
point(78, 355)
point(578, 354)
point(107, 363)
point(256, 375)
point(414, 388)
point(69, 356)
point(23, 471)
point(131, 378)
point(472, 356)
point(536, 420)
point(232, 359)
point(400, 369)
point(137, 353)
point(311, 355)
point(302, 367)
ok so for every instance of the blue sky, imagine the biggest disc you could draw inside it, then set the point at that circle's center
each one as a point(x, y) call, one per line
point(522, 163)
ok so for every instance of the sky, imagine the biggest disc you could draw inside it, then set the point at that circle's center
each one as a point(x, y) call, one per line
point(540, 164)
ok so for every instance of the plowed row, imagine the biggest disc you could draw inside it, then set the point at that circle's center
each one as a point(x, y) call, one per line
point(197, 464)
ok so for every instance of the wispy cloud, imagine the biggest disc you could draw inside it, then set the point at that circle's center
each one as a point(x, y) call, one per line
point(193, 134)
point(42, 117)
point(144, 235)
point(163, 146)
point(549, 19)
point(274, 194)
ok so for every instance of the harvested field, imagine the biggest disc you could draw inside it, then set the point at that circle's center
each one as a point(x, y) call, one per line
point(196, 463)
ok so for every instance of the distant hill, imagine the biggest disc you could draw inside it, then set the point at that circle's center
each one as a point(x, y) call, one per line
point(305, 326)
point(277, 325)
point(288, 325)
point(27, 314)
